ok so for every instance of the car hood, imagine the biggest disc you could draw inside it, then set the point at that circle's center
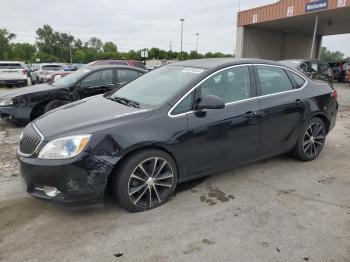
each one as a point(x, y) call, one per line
point(87, 116)
point(27, 90)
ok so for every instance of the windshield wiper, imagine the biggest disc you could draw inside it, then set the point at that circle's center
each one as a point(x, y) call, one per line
point(124, 101)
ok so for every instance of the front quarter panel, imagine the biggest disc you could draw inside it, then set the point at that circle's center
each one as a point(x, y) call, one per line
point(158, 131)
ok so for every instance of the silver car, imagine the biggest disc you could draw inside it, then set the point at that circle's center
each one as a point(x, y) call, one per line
point(41, 73)
point(13, 73)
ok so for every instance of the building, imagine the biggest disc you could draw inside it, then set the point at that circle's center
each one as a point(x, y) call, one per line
point(290, 29)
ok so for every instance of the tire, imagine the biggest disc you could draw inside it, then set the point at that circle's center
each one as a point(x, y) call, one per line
point(145, 180)
point(54, 104)
point(311, 140)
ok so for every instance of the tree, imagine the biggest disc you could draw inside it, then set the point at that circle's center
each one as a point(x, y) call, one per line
point(194, 55)
point(53, 44)
point(110, 47)
point(22, 51)
point(95, 43)
point(327, 55)
point(5, 38)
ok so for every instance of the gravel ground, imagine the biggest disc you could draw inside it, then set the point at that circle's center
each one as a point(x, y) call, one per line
point(279, 209)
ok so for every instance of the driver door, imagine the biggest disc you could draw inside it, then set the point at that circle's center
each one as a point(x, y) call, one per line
point(98, 82)
point(222, 138)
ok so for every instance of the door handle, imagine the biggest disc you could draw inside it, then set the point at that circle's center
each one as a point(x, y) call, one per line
point(250, 115)
point(298, 102)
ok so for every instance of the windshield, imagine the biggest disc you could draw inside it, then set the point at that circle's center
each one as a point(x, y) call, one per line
point(52, 68)
point(291, 63)
point(157, 86)
point(71, 79)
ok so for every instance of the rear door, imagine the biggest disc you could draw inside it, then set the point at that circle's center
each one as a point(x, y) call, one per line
point(126, 75)
point(282, 108)
point(97, 82)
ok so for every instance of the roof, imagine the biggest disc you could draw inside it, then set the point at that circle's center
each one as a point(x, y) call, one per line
point(94, 67)
point(12, 62)
point(209, 63)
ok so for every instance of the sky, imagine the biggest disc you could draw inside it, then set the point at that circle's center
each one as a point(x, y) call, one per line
point(138, 24)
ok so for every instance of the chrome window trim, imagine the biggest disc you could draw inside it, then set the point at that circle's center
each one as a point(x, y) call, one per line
point(239, 101)
point(36, 149)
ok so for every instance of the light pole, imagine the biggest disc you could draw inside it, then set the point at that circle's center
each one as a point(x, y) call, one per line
point(182, 30)
point(197, 35)
point(70, 50)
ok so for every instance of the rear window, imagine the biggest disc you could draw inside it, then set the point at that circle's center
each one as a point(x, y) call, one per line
point(52, 68)
point(10, 66)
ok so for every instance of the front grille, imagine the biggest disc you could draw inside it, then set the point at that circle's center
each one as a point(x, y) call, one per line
point(30, 140)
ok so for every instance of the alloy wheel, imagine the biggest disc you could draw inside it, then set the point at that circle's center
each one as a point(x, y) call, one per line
point(150, 182)
point(314, 138)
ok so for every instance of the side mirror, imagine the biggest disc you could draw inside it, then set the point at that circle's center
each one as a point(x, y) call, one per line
point(210, 102)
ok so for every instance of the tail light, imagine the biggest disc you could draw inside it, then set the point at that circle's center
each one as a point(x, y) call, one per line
point(334, 94)
point(24, 72)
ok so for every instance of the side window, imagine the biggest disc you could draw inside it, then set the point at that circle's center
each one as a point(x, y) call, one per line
point(299, 81)
point(125, 75)
point(98, 78)
point(231, 85)
point(273, 80)
point(185, 105)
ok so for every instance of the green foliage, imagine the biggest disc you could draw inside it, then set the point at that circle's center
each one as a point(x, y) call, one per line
point(22, 51)
point(110, 47)
point(54, 46)
point(327, 55)
point(5, 39)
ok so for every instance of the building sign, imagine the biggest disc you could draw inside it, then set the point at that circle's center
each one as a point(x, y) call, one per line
point(255, 18)
point(316, 5)
point(290, 11)
point(341, 3)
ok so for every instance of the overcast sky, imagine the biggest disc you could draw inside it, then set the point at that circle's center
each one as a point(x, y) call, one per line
point(136, 24)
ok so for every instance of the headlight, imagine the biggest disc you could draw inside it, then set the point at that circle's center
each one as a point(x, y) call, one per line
point(6, 102)
point(65, 147)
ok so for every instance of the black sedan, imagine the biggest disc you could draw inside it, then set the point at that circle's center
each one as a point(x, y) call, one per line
point(174, 124)
point(26, 104)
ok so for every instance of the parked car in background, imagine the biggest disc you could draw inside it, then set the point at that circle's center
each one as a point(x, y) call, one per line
point(25, 105)
point(133, 63)
point(13, 73)
point(314, 69)
point(347, 74)
point(175, 123)
point(339, 70)
point(41, 73)
point(55, 76)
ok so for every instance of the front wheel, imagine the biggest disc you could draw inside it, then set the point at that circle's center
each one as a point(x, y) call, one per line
point(54, 104)
point(311, 140)
point(145, 180)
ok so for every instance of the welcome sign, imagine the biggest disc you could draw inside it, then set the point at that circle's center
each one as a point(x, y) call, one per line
point(316, 5)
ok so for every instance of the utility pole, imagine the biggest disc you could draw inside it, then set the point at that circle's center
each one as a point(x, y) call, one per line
point(70, 50)
point(171, 51)
point(197, 35)
point(182, 30)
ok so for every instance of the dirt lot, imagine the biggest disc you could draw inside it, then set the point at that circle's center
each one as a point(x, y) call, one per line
point(280, 209)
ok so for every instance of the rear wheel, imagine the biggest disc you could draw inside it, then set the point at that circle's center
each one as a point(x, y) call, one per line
point(145, 180)
point(311, 140)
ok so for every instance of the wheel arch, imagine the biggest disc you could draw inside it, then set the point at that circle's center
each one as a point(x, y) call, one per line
point(136, 150)
point(38, 109)
point(324, 118)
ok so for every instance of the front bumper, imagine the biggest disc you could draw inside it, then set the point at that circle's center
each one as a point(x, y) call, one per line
point(77, 181)
point(7, 113)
